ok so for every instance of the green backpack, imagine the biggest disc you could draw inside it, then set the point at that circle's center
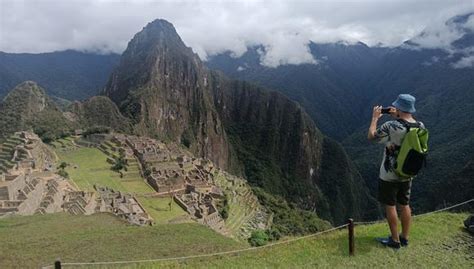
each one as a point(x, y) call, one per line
point(413, 151)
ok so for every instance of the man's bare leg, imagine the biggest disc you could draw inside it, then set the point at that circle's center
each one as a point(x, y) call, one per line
point(392, 218)
point(405, 216)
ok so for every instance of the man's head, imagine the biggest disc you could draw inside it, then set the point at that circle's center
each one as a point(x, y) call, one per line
point(404, 105)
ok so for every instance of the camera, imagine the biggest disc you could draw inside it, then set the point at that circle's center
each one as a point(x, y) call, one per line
point(386, 110)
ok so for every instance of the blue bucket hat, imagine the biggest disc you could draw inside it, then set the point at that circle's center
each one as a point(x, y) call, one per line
point(405, 103)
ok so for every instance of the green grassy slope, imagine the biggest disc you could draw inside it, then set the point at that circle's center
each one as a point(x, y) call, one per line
point(437, 241)
point(33, 241)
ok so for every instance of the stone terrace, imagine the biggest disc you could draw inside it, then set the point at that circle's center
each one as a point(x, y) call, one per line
point(27, 184)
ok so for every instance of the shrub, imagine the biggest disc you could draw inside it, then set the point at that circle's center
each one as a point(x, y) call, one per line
point(63, 173)
point(273, 234)
point(224, 213)
point(223, 207)
point(97, 130)
point(63, 165)
point(147, 173)
point(258, 238)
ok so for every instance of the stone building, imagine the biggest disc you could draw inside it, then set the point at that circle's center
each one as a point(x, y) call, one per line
point(201, 207)
point(122, 205)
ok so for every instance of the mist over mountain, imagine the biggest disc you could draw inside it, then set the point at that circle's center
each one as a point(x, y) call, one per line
point(332, 91)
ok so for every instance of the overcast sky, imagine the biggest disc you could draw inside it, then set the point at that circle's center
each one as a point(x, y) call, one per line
point(210, 27)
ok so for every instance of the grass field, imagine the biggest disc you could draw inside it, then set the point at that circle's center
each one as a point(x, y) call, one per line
point(27, 242)
point(34, 241)
point(158, 208)
point(92, 168)
point(437, 241)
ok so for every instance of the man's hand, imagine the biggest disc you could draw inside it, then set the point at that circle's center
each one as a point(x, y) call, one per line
point(376, 114)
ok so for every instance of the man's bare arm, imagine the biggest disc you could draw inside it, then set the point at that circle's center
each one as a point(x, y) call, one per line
point(376, 114)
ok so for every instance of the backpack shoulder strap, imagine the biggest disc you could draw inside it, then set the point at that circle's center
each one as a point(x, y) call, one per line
point(409, 125)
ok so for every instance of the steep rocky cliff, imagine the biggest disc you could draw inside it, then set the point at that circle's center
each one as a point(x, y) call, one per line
point(283, 152)
point(275, 140)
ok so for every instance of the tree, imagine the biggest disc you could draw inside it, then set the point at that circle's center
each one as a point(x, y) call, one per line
point(63, 165)
point(120, 163)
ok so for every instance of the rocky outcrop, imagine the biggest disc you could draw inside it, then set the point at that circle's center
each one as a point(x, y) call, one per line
point(268, 129)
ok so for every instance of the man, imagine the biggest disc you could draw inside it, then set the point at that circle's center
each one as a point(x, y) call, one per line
point(393, 189)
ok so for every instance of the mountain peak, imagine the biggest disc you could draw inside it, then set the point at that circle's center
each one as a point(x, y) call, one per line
point(160, 24)
point(460, 19)
point(163, 87)
point(27, 89)
point(28, 107)
point(153, 54)
point(156, 34)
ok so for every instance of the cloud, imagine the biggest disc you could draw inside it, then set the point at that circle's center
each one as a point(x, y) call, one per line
point(287, 48)
point(464, 62)
point(284, 28)
point(441, 35)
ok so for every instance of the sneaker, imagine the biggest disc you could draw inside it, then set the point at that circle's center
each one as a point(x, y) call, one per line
point(388, 242)
point(403, 241)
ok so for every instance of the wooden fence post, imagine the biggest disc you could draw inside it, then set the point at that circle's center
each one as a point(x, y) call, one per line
point(57, 264)
point(350, 228)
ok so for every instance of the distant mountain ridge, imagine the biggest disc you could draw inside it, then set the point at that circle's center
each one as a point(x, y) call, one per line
point(341, 72)
point(69, 74)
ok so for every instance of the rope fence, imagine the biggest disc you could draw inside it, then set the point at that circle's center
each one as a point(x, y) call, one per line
point(419, 215)
point(349, 225)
